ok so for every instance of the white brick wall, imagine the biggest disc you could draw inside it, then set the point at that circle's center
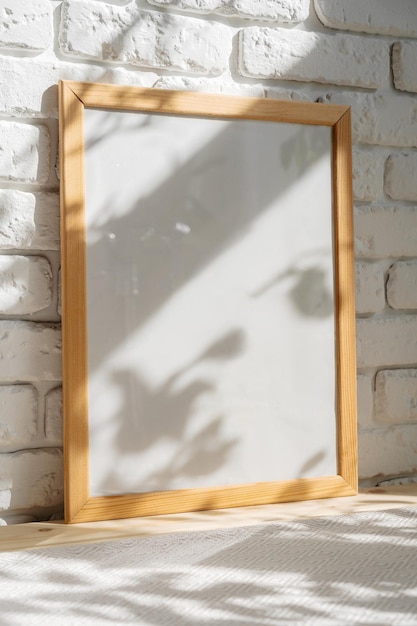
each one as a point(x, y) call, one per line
point(380, 17)
point(396, 396)
point(400, 176)
point(306, 56)
point(363, 54)
point(385, 231)
point(31, 480)
point(25, 24)
point(24, 154)
point(29, 221)
point(402, 285)
point(29, 351)
point(387, 341)
point(404, 65)
point(385, 119)
point(145, 38)
point(53, 417)
point(370, 292)
point(25, 284)
point(277, 10)
point(365, 400)
point(18, 417)
point(393, 448)
point(368, 174)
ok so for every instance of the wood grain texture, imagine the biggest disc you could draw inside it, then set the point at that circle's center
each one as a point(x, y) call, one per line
point(79, 507)
point(49, 534)
point(73, 273)
point(120, 97)
point(345, 301)
point(207, 499)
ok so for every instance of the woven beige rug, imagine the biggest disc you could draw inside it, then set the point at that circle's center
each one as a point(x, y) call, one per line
point(358, 569)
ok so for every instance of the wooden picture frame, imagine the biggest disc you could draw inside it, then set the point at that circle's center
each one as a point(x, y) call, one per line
point(75, 98)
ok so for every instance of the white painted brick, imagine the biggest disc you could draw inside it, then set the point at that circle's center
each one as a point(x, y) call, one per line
point(31, 479)
point(388, 451)
point(30, 87)
point(385, 231)
point(25, 24)
point(386, 341)
point(402, 285)
point(25, 284)
point(145, 38)
point(29, 220)
point(308, 56)
point(404, 65)
point(370, 293)
point(209, 85)
point(18, 417)
point(365, 400)
point(29, 351)
point(219, 85)
point(7, 519)
point(380, 17)
point(401, 176)
point(53, 417)
point(368, 174)
point(396, 396)
point(24, 152)
point(381, 118)
point(280, 93)
point(277, 10)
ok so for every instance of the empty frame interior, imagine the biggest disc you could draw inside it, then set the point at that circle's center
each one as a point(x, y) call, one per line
point(208, 301)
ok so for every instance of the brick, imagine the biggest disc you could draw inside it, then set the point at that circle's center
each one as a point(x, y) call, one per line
point(387, 452)
point(25, 284)
point(219, 85)
point(379, 17)
point(365, 400)
point(368, 174)
point(402, 285)
point(396, 396)
point(30, 87)
point(277, 10)
point(208, 85)
point(144, 38)
point(7, 519)
point(385, 231)
point(24, 152)
point(25, 24)
point(29, 220)
point(18, 417)
point(404, 65)
point(386, 341)
point(32, 479)
point(370, 292)
point(400, 181)
point(268, 53)
point(381, 118)
point(29, 351)
point(53, 417)
point(280, 93)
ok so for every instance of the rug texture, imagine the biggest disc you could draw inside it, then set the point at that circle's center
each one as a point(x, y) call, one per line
point(358, 569)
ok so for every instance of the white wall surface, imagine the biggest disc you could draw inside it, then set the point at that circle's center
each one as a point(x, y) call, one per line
point(363, 54)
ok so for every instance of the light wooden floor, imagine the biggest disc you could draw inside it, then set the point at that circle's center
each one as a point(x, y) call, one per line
point(45, 534)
